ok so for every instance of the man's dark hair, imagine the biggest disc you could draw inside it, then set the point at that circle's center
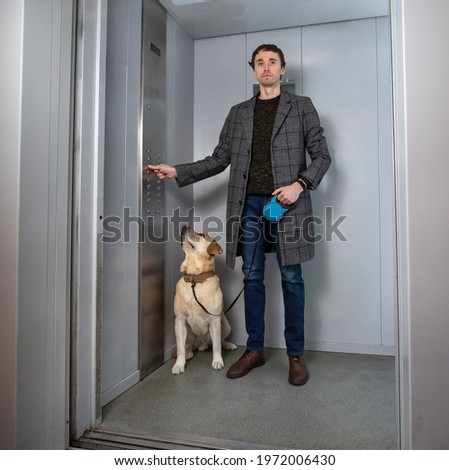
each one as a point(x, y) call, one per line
point(270, 48)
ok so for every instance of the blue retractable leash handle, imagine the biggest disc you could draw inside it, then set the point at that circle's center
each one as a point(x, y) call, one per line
point(274, 210)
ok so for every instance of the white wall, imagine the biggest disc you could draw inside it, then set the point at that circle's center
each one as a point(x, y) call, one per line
point(344, 68)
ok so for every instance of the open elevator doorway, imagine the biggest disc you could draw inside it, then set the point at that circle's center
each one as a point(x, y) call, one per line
point(134, 274)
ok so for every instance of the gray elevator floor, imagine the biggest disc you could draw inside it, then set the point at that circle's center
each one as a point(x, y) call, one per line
point(348, 403)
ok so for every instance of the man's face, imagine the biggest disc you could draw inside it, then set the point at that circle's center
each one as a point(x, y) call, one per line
point(267, 68)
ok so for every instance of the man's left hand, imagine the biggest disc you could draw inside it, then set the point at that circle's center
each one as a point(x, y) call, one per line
point(288, 194)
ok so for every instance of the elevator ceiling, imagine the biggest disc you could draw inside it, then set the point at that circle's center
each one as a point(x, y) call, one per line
point(211, 18)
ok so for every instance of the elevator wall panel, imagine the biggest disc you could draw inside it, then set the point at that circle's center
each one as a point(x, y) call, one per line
point(155, 227)
point(43, 238)
point(120, 306)
point(178, 201)
point(344, 282)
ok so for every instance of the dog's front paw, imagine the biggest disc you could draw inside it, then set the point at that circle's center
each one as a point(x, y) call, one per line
point(178, 368)
point(217, 364)
point(228, 346)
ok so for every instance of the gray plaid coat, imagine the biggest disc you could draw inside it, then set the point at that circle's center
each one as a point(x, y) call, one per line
point(296, 130)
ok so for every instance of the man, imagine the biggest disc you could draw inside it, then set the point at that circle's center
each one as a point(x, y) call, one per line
point(265, 140)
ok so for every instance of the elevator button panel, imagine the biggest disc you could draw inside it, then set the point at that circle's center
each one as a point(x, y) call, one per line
point(153, 187)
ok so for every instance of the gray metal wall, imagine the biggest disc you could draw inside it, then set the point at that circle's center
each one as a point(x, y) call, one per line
point(422, 113)
point(87, 212)
point(37, 222)
point(154, 151)
point(178, 201)
point(122, 175)
point(10, 128)
point(44, 231)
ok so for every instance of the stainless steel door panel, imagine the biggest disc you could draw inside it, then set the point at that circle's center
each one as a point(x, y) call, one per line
point(153, 151)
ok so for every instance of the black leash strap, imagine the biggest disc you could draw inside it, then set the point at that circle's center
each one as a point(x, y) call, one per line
point(205, 309)
point(235, 300)
point(192, 284)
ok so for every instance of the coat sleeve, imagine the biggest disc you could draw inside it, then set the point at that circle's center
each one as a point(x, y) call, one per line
point(189, 173)
point(316, 146)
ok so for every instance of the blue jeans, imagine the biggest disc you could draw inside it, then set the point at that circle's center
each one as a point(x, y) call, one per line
point(255, 231)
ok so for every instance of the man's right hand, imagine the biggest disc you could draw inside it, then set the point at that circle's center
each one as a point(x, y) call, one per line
point(163, 171)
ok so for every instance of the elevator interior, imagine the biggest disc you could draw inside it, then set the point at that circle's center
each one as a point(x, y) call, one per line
point(168, 88)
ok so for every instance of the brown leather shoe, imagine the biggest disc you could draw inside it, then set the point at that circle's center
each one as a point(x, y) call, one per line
point(246, 364)
point(298, 373)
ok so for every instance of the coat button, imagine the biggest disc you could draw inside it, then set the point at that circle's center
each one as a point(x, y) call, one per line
point(244, 176)
point(240, 202)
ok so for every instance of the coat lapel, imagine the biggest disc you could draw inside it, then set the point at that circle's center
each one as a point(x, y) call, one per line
point(284, 107)
point(248, 119)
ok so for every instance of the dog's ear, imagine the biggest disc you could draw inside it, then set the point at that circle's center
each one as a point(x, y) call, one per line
point(214, 249)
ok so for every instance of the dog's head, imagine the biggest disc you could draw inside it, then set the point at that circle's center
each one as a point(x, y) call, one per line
point(200, 250)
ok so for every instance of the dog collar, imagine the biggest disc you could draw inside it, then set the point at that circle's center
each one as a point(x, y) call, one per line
point(196, 278)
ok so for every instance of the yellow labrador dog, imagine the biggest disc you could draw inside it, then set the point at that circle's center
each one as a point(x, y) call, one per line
point(199, 317)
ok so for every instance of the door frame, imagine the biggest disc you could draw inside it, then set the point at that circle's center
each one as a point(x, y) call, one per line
point(86, 291)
